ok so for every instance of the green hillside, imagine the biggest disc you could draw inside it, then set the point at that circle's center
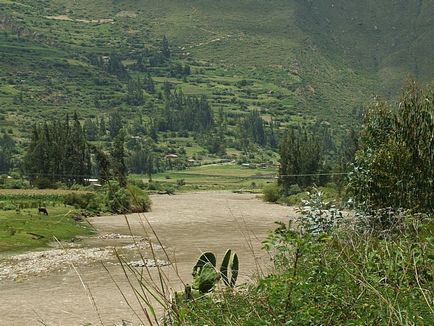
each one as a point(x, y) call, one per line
point(294, 61)
point(388, 39)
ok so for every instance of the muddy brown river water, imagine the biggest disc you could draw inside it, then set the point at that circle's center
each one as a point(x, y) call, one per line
point(187, 224)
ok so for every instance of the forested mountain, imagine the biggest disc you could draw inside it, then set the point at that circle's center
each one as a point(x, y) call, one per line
point(187, 73)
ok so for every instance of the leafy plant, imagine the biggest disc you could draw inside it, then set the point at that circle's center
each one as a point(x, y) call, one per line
point(271, 193)
point(394, 168)
point(317, 216)
point(206, 275)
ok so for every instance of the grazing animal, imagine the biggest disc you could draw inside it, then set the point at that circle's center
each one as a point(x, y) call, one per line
point(42, 210)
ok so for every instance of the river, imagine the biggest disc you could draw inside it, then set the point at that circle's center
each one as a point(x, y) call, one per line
point(79, 290)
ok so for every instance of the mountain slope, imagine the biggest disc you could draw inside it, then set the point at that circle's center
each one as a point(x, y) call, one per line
point(309, 59)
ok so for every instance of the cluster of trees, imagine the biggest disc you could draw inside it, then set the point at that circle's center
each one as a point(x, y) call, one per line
point(179, 71)
point(7, 150)
point(135, 92)
point(394, 166)
point(58, 151)
point(189, 113)
point(301, 156)
point(253, 129)
point(308, 155)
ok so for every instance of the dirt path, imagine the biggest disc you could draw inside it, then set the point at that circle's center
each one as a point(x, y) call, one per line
point(186, 224)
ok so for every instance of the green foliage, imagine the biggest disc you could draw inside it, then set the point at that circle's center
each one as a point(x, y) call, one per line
point(88, 200)
point(317, 216)
point(206, 275)
point(117, 156)
point(139, 199)
point(301, 156)
point(7, 150)
point(117, 199)
point(394, 168)
point(186, 113)
point(271, 193)
point(125, 200)
point(230, 260)
point(336, 277)
point(58, 152)
point(252, 129)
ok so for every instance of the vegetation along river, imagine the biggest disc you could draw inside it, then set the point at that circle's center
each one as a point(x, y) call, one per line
point(45, 287)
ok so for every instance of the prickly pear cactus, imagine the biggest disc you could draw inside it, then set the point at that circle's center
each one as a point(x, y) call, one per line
point(234, 270)
point(206, 279)
point(230, 261)
point(205, 274)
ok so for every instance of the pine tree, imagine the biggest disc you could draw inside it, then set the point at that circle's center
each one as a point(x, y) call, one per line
point(165, 48)
point(148, 83)
point(300, 158)
point(102, 127)
point(90, 129)
point(115, 124)
point(118, 159)
point(103, 165)
point(116, 67)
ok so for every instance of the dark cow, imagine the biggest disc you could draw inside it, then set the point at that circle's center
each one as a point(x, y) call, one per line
point(42, 210)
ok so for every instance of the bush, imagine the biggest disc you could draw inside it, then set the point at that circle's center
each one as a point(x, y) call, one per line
point(294, 189)
point(317, 216)
point(169, 190)
point(180, 182)
point(271, 193)
point(117, 199)
point(139, 199)
point(154, 186)
point(82, 200)
point(8, 207)
point(43, 183)
point(139, 183)
point(126, 200)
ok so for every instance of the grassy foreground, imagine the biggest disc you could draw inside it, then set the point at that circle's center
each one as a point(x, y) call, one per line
point(325, 275)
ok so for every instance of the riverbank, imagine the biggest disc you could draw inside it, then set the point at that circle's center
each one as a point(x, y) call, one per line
point(186, 224)
point(24, 230)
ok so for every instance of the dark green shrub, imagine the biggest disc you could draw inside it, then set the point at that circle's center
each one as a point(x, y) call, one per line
point(78, 199)
point(271, 193)
point(155, 186)
point(139, 199)
point(294, 189)
point(169, 190)
point(117, 200)
point(43, 183)
point(126, 200)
